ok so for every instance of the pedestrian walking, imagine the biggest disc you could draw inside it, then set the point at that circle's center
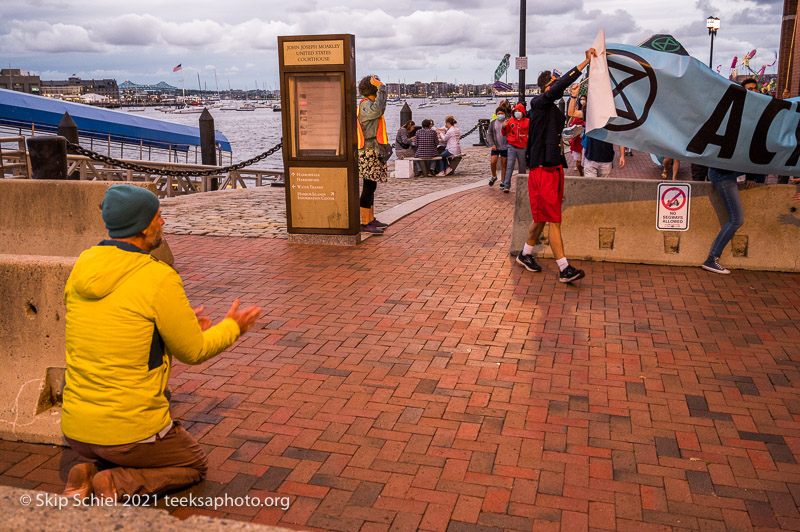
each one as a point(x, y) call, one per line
point(546, 178)
point(498, 143)
point(516, 131)
point(127, 317)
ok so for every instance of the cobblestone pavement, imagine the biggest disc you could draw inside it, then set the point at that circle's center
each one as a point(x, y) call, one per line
point(422, 380)
point(261, 212)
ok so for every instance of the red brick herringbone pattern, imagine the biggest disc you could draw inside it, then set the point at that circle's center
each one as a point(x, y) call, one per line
point(423, 381)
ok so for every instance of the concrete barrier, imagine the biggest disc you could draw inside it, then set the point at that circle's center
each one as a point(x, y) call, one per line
point(56, 218)
point(614, 220)
point(31, 341)
point(44, 226)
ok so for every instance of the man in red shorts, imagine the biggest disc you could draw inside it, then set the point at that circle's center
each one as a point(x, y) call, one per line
point(546, 177)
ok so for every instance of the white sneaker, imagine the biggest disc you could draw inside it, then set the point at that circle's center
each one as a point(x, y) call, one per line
point(440, 174)
point(449, 171)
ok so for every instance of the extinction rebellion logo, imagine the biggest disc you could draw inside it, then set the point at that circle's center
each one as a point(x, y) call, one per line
point(629, 71)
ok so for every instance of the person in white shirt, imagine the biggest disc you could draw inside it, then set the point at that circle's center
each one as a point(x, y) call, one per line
point(451, 137)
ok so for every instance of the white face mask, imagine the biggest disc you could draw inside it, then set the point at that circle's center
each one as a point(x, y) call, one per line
point(501, 118)
point(517, 115)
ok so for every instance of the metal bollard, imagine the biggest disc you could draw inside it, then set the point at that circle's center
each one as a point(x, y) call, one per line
point(483, 125)
point(48, 157)
point(208, 149)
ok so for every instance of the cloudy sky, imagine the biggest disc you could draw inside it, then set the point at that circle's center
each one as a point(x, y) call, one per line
point(445, 40)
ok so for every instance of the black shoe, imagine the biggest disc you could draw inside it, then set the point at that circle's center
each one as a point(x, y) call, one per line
point(378, 224)
point(506, 189)
point(712, 265)
point(528, 262)
point(492, 180)
point(570, 274)
point(369, 228)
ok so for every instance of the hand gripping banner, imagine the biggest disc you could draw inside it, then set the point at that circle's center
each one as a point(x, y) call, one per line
point(676, 107)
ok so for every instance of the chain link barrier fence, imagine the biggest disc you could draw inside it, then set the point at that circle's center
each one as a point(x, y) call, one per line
point(93, 155)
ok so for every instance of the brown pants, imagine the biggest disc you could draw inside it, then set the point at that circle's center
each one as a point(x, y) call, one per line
point(166, 464)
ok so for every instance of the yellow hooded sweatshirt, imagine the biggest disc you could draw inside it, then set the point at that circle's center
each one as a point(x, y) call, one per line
point(127, 316)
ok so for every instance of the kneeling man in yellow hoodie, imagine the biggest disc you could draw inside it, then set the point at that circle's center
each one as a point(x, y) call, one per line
point(127, 316)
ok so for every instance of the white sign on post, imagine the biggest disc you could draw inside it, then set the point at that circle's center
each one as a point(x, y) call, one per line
point(522, 63)
point(673, 206)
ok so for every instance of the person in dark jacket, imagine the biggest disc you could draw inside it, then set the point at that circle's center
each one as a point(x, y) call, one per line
point(546, 177)
point(426, 144)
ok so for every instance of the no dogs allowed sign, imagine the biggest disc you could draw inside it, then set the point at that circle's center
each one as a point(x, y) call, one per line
point(673, 206)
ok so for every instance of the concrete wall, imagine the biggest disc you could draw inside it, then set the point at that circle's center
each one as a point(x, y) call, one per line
point(31, 340)
point(614, 220)
point(44, 226)
point(55, 218)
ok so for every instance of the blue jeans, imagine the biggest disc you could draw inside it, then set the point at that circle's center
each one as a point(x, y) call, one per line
point(725, 183)
point(518, 155)
point(443, 163)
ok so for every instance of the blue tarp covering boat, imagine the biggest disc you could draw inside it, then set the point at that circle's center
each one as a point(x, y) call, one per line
point(20, 110)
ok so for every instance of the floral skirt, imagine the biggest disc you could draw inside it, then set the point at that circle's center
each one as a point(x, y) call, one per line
point(371, 166)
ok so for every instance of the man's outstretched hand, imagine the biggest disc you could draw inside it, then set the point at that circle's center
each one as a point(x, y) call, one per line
point(245, 318)
point(202, 319)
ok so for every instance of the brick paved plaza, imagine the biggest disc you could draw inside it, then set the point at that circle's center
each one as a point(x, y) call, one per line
point(424, 381)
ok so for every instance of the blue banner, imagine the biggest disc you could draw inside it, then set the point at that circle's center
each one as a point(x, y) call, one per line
point(675, 106)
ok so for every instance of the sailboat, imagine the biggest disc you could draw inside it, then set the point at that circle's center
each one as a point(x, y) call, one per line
point(247, 106)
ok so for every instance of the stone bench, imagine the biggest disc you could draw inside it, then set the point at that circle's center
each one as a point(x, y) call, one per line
point(404, 170)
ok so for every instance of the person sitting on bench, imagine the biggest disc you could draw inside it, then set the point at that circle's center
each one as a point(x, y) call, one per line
point(452, 139)
point(427, 143)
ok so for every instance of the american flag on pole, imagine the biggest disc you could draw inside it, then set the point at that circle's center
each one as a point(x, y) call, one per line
point(177, 68)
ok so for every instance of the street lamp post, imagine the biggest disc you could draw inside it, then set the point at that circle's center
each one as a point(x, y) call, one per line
point(712, 23)
point(523, 12)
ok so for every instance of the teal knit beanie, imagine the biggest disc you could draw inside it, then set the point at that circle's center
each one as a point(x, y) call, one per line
point(128, 210)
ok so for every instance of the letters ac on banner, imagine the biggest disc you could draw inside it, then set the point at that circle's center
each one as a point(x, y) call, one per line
point(675, 106)
point(674, 200)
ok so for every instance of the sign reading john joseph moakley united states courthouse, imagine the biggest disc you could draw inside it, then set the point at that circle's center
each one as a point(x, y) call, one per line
point(318, 103)
point(308, 53)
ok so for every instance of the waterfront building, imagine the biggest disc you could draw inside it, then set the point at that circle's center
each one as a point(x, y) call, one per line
point(75, 86)
point(19, 80)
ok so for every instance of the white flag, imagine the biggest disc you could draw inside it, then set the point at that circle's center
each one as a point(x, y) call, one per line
point(600, 99)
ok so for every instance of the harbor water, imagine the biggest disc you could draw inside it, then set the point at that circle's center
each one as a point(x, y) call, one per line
point(253, 132)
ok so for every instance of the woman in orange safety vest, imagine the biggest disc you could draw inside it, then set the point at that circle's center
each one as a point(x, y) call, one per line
point(373, 149)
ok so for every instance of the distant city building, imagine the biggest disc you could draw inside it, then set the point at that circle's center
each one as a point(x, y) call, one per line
point(19, 80)
point(75, 86)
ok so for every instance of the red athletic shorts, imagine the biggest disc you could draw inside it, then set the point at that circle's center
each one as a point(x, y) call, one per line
point(546, 192)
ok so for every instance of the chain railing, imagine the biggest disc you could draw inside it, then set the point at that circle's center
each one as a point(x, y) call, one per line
point(470, 132)
point(77, 148)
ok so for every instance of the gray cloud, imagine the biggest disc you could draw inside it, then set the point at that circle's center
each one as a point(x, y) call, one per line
point(416, 39)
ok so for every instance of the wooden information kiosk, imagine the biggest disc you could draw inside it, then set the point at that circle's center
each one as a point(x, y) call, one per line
point(319, 138)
